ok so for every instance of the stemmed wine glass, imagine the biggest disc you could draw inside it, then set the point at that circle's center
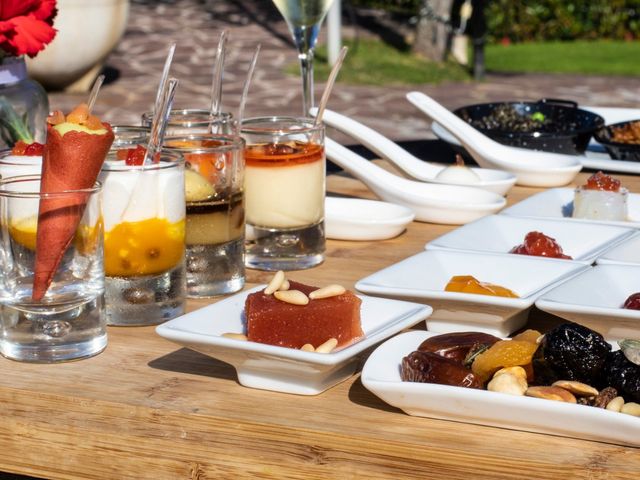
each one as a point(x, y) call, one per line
point(304, 18)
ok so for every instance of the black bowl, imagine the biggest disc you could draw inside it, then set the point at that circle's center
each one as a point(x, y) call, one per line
point(618, 150)
point(549, 125)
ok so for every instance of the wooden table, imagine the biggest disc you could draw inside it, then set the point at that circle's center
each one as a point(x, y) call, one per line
point(146, 408)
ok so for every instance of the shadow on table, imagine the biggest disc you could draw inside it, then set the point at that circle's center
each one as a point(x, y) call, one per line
point(359, 395)
point(191, 362)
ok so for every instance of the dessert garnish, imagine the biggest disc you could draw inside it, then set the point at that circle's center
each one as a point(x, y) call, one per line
point(601, 181)
point(135, 155)
point(23, 149)
point(632, 302)
point(540, 245)
point(72, 158)
point(458, 173)
point(469, 284)
point(601, 198)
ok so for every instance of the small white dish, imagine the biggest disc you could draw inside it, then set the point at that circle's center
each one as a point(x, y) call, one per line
point(434, 203)
point(381, 376)
point(558, 203)
point(281, 369)
point(625, 253)
point(583, 242)
point(359, 219)
point(594, 299)
point(423, 277)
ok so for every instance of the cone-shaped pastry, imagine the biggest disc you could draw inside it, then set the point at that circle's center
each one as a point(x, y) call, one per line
point(73, 156)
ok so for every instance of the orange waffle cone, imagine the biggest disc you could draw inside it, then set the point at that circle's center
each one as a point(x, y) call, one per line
point(70, 162)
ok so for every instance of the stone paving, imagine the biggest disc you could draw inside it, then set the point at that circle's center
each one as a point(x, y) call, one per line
point(196, 25)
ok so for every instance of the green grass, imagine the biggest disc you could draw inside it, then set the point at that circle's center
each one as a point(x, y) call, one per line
point(600, 57)
point(373, 62)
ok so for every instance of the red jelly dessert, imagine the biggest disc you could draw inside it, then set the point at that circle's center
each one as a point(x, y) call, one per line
point(21, 148)
point(275, 322)
point(601, 181)
point(540, 245)
point(633, 302)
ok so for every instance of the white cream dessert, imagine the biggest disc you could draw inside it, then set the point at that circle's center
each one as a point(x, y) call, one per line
point(14, 165)
point(284, 185)
point(601, 198)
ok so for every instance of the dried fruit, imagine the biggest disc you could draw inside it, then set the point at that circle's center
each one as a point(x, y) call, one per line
point(622, 374)
point(427, 367)
point(529, 335)
point(457, 345)
point(604, 397)
point(631, 348)
point(505, 353)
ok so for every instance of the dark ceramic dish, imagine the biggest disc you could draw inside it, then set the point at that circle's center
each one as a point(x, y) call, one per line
point(549, 125)
point(618, 150)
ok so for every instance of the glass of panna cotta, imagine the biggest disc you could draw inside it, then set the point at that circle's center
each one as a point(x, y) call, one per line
point(12, 165)
point(192, 121)
point(144, 239)
point(284, 191)
point(214, 169)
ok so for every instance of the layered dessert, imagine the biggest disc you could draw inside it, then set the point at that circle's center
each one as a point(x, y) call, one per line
point(601, 198)
point(284, 184)
point(290, 322)
point(22, 159)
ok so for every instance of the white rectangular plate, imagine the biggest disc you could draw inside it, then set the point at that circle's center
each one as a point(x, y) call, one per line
point(500, 233)
point(283, 369)
point(558, 203)
point(424, 276)
point(594, 299)
point(625, 253)
point(381, 375)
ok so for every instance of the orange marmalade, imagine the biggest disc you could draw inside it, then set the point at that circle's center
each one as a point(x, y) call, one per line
point(469, 284)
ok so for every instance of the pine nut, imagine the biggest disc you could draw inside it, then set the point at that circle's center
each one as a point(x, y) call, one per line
point(285, 285)
point(327, 346)
point(630, 408)
point(307, 347)
point(275, 283)
point(234, 336)
point(294, 297)
point(328, 291)
point(616, 404)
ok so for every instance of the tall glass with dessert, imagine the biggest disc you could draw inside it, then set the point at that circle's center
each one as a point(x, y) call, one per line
point(193, 121)
point(214, 192)
point(284, 192)
point(144, 220)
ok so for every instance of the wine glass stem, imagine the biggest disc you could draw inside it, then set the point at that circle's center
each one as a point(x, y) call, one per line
point(306, 69)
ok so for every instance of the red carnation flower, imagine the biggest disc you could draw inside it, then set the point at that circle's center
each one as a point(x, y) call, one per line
point(26, 26)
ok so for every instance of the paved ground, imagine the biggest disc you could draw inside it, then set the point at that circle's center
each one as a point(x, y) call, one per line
point(196, 24)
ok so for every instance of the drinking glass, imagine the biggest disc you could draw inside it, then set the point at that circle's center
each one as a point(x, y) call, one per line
point(15, 165)
point(215, 212)
point(144, 224)
point(284, 193)
point(304, 18)
point(69, 321)
point(192, 121)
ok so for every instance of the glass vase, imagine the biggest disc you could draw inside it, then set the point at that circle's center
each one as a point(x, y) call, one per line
point(24, 105)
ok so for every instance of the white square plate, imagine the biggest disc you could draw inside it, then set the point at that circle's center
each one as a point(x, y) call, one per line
point(594, 299)
point(500, 233)
point(381, 375)
point(423, 278)
point(558, 203)
point(625, 253)
point(286, 369)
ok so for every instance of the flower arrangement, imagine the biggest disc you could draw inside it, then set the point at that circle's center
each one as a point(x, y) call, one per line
point(26, 26)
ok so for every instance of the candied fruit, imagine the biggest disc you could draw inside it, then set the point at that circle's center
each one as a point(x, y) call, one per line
point(601, 181)
point(529, 335)
point(540, 245)
point(469, 284)
point(27, 149)
point(505, 353)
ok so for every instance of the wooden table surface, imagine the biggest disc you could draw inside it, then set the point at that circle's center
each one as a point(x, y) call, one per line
point(147, 408)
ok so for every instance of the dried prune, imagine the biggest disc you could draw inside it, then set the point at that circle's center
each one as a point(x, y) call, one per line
point(427, 367)
point(456, 345)
point(624, 375)
point(570, 352)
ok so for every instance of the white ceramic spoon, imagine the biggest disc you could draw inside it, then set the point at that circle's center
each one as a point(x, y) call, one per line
point(497, 181)
point(434, 203)
point(533, 168)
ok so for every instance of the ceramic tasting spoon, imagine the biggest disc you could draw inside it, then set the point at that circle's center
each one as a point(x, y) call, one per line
point(533, 168)
point(497, 181)
point(434, 203)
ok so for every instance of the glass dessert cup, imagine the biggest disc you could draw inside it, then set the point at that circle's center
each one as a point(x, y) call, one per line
point(144, 218)
point(214, 174)
point(193, 121)
point(129, 136)
point(284, 193)
point(69, 322)
point(14, 165)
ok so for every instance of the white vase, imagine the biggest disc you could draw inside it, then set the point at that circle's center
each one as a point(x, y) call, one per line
point(88, 30)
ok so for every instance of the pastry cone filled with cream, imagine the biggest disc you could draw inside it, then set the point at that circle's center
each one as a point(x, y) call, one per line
point(76, 148)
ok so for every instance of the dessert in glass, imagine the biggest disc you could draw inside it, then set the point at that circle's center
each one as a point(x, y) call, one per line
point(601, 198)
point(284, 193)
point(144, 224)
point(214, 167)
point(193, 121)
point(22, 159)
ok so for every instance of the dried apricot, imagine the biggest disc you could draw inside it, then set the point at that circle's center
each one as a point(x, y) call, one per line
point(505, 353)
point(528, 336)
